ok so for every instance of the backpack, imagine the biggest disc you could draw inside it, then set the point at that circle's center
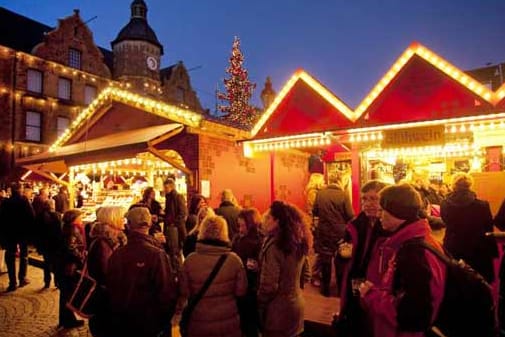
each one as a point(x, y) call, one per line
point(468, 307)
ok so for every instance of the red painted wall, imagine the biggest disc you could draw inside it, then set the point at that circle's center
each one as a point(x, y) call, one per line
point(223, 164)
point(291, 177)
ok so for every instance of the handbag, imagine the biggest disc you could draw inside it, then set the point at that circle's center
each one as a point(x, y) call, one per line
point(83, 295)
point(87, 295)
point(193, 301)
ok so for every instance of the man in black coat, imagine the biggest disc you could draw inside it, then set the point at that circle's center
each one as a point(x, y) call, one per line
point(467, 220)
point(176, 212)
point(229, 210)
point(334, 209)
point(141, 283)
point(16, 225)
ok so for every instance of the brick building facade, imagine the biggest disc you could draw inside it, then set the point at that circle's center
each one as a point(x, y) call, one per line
point(49, 74)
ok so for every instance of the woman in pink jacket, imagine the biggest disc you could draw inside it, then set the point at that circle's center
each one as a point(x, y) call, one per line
point(405, 283)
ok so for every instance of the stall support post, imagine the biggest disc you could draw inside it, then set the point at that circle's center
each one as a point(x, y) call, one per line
point(272, 176)
point(356, 177)
point(71, 192)
point(150, 177)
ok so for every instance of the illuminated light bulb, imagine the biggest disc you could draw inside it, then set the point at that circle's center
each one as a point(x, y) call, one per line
point(358, 138)
point(380, 136)
point(471, 86)
point(352, 139)
point(481, 127)
point(492, 126)
point(372, 137)
point(462, 128)
point(365, 138)
point(502, 125)
point(328, 141)
point(453, 129)
point(487, 96)
point(472, 127)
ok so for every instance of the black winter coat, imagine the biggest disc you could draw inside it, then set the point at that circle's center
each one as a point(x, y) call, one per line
point(49, 233)
point(249, 247)
point(467, 219)
point(334, 209)
point(17, 219)
point(230, 212)
point(142, 288)
point(176, 213)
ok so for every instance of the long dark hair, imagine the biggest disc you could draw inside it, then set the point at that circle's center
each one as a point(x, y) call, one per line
point(251, 217)
point(293, 234)
point(195, 201)
point(147, 193)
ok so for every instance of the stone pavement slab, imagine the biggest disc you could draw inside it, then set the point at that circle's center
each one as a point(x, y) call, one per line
point(32, 311)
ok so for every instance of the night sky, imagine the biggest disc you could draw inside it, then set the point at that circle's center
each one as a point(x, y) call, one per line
point(347, 45)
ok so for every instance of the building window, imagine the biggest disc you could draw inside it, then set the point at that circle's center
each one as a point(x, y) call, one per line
point(33, 126)
point(64, 88)
point(62, 125)
point(89, 94)
point(179, 95)
point(74, 58)
point(34, 81)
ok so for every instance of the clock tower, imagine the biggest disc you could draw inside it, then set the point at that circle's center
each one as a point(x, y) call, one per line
point(137, 53)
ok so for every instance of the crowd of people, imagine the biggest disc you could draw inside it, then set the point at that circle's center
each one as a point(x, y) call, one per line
point(234, 271)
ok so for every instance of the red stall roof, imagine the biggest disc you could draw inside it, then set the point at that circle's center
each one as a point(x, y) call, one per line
point(419, 86)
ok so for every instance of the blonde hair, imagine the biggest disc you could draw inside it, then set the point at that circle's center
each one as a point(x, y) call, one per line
point(316, 181)
point(214, 228)
point(112, 215)
point(462, 182)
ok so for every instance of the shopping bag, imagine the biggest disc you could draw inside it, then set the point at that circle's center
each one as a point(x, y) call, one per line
point(85, 297)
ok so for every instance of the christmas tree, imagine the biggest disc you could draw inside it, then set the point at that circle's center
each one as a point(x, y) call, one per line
point(238, 91)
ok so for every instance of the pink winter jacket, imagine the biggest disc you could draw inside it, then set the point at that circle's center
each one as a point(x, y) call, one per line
point(408, 287)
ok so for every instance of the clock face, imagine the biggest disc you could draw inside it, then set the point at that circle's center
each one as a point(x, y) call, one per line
point(152, 63)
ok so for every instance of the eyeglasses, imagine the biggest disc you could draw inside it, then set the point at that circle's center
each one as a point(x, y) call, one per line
point(369, 199)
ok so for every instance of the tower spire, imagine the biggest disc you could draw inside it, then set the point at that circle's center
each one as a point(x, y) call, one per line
point(139, 9)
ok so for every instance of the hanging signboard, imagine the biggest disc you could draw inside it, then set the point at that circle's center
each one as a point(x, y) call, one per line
point(413, 137)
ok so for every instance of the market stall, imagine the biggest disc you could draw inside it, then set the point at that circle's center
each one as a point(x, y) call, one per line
point(424, 120)
point(113, 170)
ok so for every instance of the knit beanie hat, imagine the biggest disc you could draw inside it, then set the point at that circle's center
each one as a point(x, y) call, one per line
point(402, 201)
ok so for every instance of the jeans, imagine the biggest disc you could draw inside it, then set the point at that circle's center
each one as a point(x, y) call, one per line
point(10, 261)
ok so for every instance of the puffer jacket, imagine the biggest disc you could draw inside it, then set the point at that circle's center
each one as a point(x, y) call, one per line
point(408, 284)
point(141, 288)
point(216, 314)
point(467, 220)
point(363, 238)
point(280, 300)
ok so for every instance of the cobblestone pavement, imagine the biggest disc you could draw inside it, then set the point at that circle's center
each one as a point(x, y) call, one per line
point(32, 311)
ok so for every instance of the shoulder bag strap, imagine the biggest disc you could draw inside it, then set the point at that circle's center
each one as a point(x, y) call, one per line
point(444, 257)
point(195, 299)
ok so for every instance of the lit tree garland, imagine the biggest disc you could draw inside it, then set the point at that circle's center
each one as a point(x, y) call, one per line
point(238, 91)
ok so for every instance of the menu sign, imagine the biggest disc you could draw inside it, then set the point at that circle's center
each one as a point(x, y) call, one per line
point(422, 136)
